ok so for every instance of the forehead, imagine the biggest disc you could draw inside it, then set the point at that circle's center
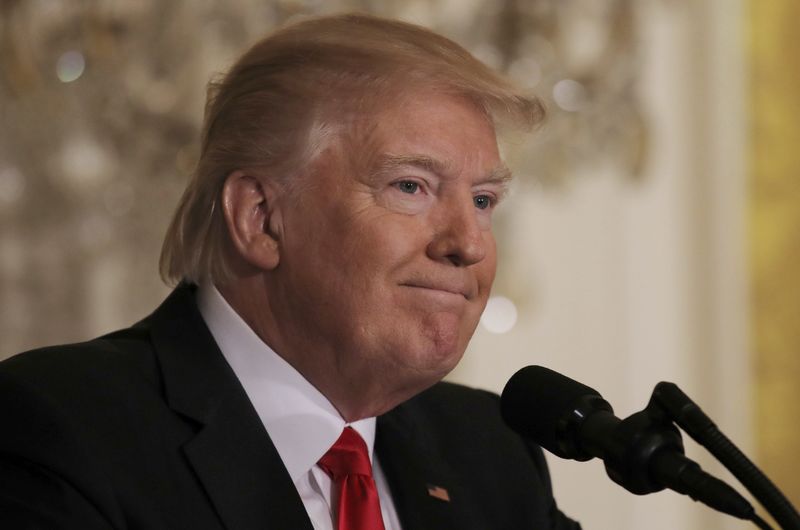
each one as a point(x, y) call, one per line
point(441, 133)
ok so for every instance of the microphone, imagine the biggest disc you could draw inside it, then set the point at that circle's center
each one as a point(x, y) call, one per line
point(642, 453)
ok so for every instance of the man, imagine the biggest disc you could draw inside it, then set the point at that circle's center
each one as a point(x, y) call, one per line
point(334, 253)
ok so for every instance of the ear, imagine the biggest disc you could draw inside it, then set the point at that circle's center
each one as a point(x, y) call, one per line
point(249, 204)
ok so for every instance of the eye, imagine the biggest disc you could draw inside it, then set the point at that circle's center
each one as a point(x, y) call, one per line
point(407, 186)
point(482, 202)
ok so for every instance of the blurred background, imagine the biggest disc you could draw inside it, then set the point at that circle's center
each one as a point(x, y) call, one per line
point(653, 232)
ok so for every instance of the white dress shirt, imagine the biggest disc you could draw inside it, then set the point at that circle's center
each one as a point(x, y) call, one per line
point(301, 422)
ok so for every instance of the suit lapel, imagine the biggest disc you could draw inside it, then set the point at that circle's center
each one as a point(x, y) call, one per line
point(426, 492)
point(231, 453)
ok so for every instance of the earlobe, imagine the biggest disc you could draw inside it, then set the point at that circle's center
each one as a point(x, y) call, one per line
point(252, 218)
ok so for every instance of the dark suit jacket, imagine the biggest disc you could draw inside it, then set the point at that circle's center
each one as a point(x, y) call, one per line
point(148, 428)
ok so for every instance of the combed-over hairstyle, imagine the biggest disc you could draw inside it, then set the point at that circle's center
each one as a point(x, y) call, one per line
point(280, 103)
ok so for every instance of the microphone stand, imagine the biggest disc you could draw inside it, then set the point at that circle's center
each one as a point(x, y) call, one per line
point(670, 402)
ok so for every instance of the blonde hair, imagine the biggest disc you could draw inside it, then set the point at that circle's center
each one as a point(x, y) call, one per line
point(279, 105)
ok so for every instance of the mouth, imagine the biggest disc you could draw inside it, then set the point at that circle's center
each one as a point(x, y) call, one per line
point(441, 290)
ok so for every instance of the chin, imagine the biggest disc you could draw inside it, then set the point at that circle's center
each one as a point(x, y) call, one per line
point(419, 366)
point(442, 332)
point(439, 358)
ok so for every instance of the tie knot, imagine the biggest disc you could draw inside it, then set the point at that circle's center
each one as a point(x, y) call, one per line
point(348, 456)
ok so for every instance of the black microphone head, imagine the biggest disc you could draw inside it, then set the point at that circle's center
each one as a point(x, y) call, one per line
point(544, 405)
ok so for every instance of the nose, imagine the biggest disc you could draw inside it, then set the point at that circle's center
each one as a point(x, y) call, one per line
point(458, 238)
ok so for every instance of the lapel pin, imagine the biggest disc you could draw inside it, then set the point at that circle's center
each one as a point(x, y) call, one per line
point(438, 492)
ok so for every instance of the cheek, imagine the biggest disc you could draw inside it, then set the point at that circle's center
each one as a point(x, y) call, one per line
point(486, 269)
point(382, 245)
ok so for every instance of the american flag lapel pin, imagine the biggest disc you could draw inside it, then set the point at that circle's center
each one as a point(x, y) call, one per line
point(438, 492)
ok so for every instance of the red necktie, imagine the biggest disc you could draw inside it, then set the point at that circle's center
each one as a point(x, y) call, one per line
point(348, 465)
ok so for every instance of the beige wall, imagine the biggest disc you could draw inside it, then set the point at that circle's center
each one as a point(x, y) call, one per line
point(621, 285)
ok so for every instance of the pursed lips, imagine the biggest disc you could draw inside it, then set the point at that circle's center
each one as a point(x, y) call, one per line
point(451, 288)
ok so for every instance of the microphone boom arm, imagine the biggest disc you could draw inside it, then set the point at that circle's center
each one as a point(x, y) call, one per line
point(678, 407)
point(644, 452)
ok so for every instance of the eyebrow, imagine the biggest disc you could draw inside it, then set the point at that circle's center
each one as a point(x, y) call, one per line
point(500, 174)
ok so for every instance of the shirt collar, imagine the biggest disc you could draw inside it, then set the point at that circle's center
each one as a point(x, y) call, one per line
point(299, 419)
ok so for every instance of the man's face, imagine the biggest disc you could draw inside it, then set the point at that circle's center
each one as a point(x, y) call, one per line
point(386, 263)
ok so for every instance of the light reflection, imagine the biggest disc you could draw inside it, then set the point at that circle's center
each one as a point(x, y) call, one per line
point(70, 66)
point(569, 95)
point(500, 315)
point(84, 163)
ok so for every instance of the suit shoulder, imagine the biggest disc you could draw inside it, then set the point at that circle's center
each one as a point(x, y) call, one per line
point(459, 391)
point(455, 412)
point(103, 362)
point(457, 400)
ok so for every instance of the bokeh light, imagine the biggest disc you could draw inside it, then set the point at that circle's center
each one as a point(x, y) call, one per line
point(569, 95)
point(70, 66)
point(500, 315)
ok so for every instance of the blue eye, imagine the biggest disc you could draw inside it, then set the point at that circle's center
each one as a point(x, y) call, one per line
point(482, 202)
point(408, 186)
